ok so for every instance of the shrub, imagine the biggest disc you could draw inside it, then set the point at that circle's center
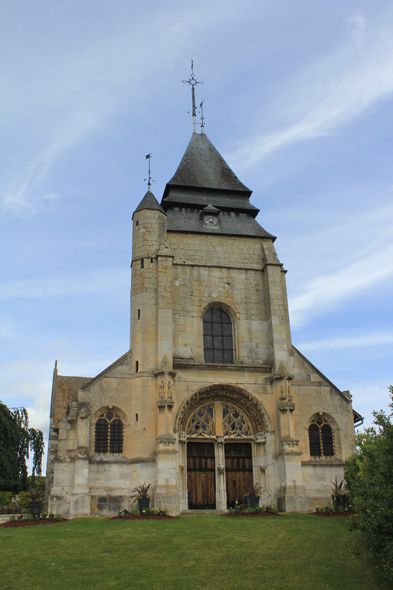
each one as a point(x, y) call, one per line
point(5, 499)
point(58, 517)
point(163, 512)
point(368, 475)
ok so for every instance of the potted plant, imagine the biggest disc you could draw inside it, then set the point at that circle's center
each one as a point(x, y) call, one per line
point(34, 495)
point(142, 495)
point(253, 494)
point(338, 495)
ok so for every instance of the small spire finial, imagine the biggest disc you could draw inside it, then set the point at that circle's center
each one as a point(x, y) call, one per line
point(202, 117)
point(192, 81)
point(149, 180)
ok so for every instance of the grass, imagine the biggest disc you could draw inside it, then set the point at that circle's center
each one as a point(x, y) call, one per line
point(297, 552)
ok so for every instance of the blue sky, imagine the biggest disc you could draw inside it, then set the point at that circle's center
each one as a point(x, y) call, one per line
point(298, 99)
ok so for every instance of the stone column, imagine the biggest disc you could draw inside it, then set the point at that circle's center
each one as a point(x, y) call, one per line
point(291, 494)
point(168, 476)
point(221, 493)
point(80, 496)
point(164, 306)
point(279, 338)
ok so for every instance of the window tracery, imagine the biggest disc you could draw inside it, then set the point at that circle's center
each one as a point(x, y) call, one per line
point(109, 434)
point(201, 422)
point(320, 436)
point(234, 423)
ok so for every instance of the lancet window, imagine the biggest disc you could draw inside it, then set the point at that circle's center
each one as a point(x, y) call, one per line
point(109, 434)
point(320, 438)
point(217, 336)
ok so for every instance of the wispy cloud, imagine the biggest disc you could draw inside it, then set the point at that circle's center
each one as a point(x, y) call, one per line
point(77, 90)
point(322, 294)
point(95, 281)
point(348, 342)
point(345, 260)
point(333, 100)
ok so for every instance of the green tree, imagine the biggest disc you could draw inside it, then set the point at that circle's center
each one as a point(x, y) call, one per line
point(369, 479)
point(16, 441)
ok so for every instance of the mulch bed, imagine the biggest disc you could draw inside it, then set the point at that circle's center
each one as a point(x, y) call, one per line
point(147, 517)
point(19, 523)
point(250, 515)
point(333, 514)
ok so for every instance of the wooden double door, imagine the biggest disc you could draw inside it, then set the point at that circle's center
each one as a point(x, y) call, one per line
point(238, 471)
point(201, 473)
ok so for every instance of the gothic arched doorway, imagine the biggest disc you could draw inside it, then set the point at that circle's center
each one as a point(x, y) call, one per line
point(221, 426)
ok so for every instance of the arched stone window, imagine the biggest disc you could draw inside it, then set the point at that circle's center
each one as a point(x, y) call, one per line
point(109, 434)
point(217, 336)
point(320, 438)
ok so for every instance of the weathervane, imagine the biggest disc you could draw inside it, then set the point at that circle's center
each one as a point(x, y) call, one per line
point(149, 180)
point(192, 81)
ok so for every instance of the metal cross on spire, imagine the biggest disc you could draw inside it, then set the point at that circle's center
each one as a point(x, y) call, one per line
point(149, 181)
point(192, 81)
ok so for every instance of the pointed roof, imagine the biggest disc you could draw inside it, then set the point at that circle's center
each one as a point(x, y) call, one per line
point(149, 202)
point(202, 166)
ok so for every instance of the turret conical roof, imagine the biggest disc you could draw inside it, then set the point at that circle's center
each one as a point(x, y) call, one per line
point(149, 202)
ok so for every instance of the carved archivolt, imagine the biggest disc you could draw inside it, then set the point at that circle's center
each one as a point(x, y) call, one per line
point(244, 415)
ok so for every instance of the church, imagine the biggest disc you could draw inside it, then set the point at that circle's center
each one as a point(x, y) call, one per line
point(212, 396)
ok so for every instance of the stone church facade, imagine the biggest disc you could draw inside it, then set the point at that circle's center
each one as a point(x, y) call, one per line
point(212, 396)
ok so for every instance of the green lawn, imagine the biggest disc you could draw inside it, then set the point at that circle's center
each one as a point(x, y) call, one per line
point(295, 552)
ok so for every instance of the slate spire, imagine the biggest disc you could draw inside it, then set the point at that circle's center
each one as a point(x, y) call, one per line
point(203, 166)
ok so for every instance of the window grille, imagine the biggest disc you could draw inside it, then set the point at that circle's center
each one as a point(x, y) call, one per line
point(217, 336)
point(320, 438)
point(109, 434)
